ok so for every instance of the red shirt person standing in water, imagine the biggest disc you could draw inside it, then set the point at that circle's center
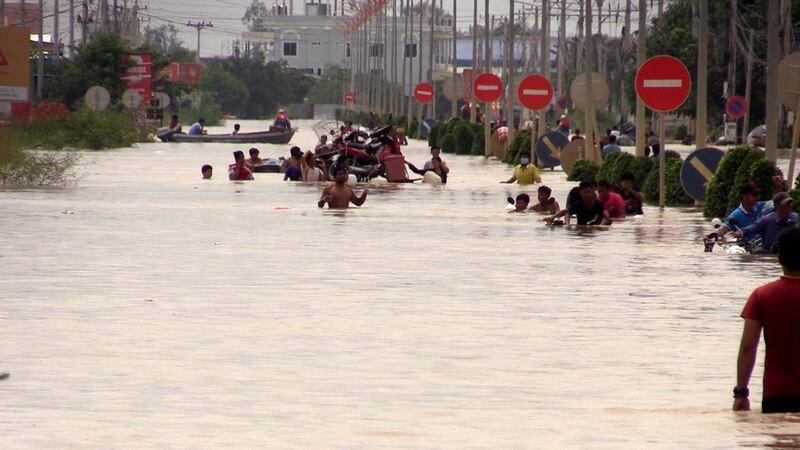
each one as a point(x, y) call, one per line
point(775, 307)
point(239, 171)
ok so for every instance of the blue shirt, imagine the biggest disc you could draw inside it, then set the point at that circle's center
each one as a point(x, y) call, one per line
point(744, 219)
point(770, 226)
point(609, 149)
point(196, 129)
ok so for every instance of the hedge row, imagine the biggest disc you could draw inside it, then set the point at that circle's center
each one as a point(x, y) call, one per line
point(644, 170)
point(743, 164)
point(457, 136)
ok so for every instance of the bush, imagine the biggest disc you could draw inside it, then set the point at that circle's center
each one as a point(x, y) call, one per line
point(614, 166)
point(433, 133)
point(679, 134)
point(464, 138)
point(762, 173)
point(640, 167)
point(521, 144)
point(583, 169)
point(449, 144)
point(478, 146)
point(84, 129)
point(20, 169)
point(722, 193)
point(675, 195)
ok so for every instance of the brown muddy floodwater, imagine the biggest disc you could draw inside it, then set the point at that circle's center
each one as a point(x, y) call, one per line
point(146, 308)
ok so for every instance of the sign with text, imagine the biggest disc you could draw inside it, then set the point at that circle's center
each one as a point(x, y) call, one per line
point(15, 64)
point(139, 75)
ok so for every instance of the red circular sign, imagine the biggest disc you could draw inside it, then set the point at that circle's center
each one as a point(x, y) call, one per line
point(736, 107)
point(424, 92)
point(535, 92)
point(663, 83)
point(487, 87)
point(349, 97)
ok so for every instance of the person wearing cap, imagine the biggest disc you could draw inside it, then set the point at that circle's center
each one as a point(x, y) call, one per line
point(238, 171)
point(775, 308)
point(282, 120)
point(747, 213)
point(525, 173)
point(769, 226)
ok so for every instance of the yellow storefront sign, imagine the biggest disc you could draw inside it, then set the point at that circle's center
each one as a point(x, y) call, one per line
point(15, 63)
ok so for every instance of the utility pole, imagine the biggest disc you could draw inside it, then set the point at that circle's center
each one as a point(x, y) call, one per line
point(626, 45)
point(2, 13)
point(56, 29)
point(71, 28)
point(454, 102)
point(702, 76)
point(544, 60)
point(641, 54)
point(393, 86)
point(487, 130)
point(511, 91)
point(472, 112)
point(589, 149)
point(431, 61)
point(562, 50)
point(747, 86)
point(199, 26)
point(773, 56)
point(404, 13)
point(421, 106)
point(411, 66)
point(116, 17)
point(40, 62)
point(732, 38)
point(84, 22)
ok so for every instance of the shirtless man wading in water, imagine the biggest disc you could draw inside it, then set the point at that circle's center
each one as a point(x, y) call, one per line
point(339, 195)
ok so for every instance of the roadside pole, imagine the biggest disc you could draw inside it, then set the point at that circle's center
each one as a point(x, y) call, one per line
point(773, 21)
point(544, 68)
point(510, 94)
point(641, 56)
point(454, 100)
point(589, 147)
point(702, 76)
point(474, 55)
point(747, 86)
point(487, 130)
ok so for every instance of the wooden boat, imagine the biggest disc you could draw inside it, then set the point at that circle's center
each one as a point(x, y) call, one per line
point(267, 168)
point(272, 136)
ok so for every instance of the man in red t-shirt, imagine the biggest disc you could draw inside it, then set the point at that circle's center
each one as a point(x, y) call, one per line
point(239, 171)
point(776, 308)
point(613, 202)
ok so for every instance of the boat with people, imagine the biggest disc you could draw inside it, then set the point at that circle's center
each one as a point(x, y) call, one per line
point(275, 135)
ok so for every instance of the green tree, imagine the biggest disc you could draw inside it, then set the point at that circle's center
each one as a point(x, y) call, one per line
point(230, 92)
point(329, 87)
point(254, 15)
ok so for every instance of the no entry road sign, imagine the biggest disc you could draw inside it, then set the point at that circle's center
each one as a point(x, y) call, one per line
point(548, 148)
point(535, 92)
point(736, 107)
point(698, 169)
point(423, 92)
point(349, 97)
point(487, 87)
point(663, 83)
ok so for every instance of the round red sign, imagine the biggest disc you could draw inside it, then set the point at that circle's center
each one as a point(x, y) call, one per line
point(487, 87)
point(535, 92)
point(663, 83)
point(349, 97)
point(736, 107)
point(423, 92)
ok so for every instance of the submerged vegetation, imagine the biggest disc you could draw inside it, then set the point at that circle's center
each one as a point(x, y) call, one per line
point(20, 168)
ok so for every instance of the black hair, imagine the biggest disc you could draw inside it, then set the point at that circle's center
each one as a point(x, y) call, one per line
point(253, 151)
point(238, 154)
point(605, 184)
point(789, 248)
point(587, 184)
point(236, 126)
point(608, 130)
point(206, 167)
point(546, 190)
point(174, 116)
point(612, 138)
point(747, 188)
point(524, 197)
point(295, 151)
point(435, 147)
point(201, 120)
point(341, 167)
point(627, 176)
point(577, 131)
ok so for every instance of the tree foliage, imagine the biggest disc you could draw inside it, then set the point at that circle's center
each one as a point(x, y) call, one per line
point(254, 15)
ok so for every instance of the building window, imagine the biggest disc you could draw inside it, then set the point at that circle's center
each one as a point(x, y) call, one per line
point(290, 49)
point(348, 50)
point(411, 51)
point(376, 50)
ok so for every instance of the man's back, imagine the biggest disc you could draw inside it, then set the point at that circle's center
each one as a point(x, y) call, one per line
point(776, 306)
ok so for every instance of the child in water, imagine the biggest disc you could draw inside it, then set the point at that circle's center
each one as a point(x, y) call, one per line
point(521, 205)
point(546, 203)
point(339, 195)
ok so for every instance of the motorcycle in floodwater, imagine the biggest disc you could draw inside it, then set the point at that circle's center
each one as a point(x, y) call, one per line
point(364, 151)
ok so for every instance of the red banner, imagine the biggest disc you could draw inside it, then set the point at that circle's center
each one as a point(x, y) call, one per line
point(139, 75)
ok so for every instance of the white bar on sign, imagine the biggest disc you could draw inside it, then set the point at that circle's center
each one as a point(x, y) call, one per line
point(14, 93)
point(424, 92)
point(534, 92)
point(486, 87)
point(663, 83)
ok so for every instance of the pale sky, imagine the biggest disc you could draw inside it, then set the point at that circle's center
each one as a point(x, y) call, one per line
point(226, 17)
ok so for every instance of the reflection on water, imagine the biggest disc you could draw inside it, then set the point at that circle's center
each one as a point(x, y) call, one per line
point(172, 312)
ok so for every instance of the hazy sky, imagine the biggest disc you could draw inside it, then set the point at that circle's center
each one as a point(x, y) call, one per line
point(226, 17)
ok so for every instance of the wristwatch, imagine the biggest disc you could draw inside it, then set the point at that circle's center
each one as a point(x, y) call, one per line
point(741, 393)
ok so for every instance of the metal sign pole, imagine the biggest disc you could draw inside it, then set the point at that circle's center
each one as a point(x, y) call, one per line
point(795, 137)
point(662, 195)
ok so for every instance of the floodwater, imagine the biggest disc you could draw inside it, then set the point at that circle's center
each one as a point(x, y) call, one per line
point(146, 308)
